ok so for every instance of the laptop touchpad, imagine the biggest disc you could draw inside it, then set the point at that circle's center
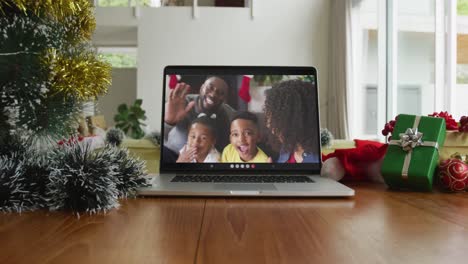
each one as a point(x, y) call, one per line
point(245, 187)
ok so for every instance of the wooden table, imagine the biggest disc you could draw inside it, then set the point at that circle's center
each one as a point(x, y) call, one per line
point(376, 226)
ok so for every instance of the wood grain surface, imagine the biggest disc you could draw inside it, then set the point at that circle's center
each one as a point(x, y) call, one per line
point(149, 230)
point(376, 226)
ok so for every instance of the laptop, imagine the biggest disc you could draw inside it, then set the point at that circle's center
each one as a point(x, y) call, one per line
point(241, 131)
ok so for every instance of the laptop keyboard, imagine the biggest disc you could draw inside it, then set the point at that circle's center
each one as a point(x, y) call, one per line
point(242, 179)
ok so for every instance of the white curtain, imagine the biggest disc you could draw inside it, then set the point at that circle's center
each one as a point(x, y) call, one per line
point(340, 70)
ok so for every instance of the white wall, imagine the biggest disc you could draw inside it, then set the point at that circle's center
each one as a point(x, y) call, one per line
point(122, 90)
point(201, 2)
point(282, 33)
point(115, 16)
point(115, 26)
point(118, 36)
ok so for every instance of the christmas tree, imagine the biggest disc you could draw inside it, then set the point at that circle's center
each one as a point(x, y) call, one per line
point(47, 70)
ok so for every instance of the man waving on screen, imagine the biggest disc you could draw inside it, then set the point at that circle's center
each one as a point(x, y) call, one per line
point(182, 108)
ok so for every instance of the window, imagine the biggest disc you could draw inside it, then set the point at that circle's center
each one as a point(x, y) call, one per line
point(218, 3)
point(224, 3)
point(462, 72)
point(415, 57)
point(368, 56)
point(119, 57)
point(408, 57)
point(159, 3)
point(460, 107)
point(122, 3)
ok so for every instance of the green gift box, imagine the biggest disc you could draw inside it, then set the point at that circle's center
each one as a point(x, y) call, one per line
point(413, 153)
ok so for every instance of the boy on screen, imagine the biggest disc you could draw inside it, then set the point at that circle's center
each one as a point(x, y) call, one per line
point(244, 135)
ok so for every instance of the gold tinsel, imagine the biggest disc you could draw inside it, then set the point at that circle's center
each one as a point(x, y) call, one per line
point(82, 76)
point(462, 157)
point(77, 14)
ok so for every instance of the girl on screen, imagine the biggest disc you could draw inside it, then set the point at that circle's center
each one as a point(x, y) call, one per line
point(201, 142)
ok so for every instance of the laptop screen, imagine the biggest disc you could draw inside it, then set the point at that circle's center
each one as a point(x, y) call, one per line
point(220, 118)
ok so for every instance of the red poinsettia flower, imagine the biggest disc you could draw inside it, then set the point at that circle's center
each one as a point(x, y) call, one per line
point(450, 123)
point(463, 124)
point(388, 128)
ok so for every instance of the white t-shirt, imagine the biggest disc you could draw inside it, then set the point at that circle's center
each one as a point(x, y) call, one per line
point(212, 157)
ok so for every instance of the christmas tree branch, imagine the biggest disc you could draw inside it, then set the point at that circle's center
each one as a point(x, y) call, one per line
point(18, 53)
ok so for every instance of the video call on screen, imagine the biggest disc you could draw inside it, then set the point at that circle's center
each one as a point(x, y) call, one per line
point(240, 119)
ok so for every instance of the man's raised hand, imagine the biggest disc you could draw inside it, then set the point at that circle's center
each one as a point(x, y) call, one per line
point(176, 106)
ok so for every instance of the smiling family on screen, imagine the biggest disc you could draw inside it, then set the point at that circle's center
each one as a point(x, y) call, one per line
point(215, 125)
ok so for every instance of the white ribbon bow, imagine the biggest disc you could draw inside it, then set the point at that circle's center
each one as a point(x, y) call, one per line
point(410, 139)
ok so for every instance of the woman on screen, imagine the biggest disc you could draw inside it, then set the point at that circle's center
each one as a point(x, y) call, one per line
point(291, 117)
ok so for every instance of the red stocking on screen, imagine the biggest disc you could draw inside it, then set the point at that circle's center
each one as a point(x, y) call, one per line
point(244, 91)
point(173, 80)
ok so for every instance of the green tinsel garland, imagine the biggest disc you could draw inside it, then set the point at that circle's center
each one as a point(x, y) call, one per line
point(12, 185)
point(72, 177)
point(129, 171)
point(81, 180)
point(23, 177)
point(114, 136)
